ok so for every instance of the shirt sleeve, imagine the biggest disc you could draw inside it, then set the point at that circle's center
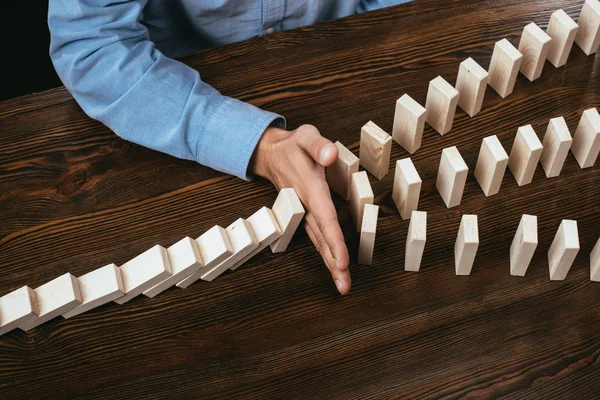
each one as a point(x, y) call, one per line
point(370, 5)
point(105, 58)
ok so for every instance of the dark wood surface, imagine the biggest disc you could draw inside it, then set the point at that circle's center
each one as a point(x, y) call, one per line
point(74, 197)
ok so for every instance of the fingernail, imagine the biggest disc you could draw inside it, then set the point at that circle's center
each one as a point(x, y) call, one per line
point(339, 285)
point(325, 153)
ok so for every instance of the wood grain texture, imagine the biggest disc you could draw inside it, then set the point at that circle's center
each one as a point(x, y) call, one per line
point(73, 196)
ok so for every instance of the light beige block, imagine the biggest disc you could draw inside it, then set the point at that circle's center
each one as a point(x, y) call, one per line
point(442, 99)
point(340, 172)
point(534, 46)
point(504, 67)
point(563, 250)
point(467, 242)
point(17, 308)
point(523, 245)
point(289, 212)
point(525, 155)
point(367, 235)
point(557, 142)
point(586, 142)
point(54, 298)
point(595, 263)
point(361, 193)
point(588, 36)
point(98, 287)
point(471, 84)
point(409, 122)
point(375, 150)
point(562, 29)
point(415, 241)
point(491, 165)
point(452, 176)
point(407, 188)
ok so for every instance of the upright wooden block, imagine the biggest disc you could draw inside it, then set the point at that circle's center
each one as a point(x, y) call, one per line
point(54, 298)
point(415, 241)
point(586, 142)
point(375, 149)
point(452, 177)
point(491, 165)
point(441, 103)
point(98, 287)
point(367, 234)
point(471, 84)
point(595, 263)
point(466, 245)
point(588, 36)
point(407, 187)
point(144, 272)
point(563, 250)
point(17, 308)
point(525, 155)
point(409, 122)
point(562, 29)
point(289, 212)
point(523, 245)
point(534, 46)
point(557, 142)
point(504, 67)
point(340, 172)
point(360, 194)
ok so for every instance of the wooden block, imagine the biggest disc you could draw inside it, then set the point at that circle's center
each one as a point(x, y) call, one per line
point(360, 194)
point(375, 149)
point(242, 239)
point(407, 187)
point(54, 298)
point(588, 36)
point(491, 165)
point(504, 67)
point(452, 176)
point(266, 231)
point(441, 103)
point(562, 29)
point(409, 122)
point(586, 142)
point(185, 259)
point(557, 142)
point(98, 287)
point(563, 250)
point(525, 155)
point(367, 234)
point(471, 84)
point(144, 272)
point(534, 46)
point(17, 308)
point(466, 245)
point(415, 241)
point(340, 172)
point(289, 212)
point(523, 245)
point(595, 263)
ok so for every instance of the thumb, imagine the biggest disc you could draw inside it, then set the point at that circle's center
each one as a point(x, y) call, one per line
point(322, 150)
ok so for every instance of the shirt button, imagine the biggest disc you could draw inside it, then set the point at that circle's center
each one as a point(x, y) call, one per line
point(270, 30)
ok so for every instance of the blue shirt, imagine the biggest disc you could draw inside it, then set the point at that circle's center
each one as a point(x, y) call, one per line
point(114, 57)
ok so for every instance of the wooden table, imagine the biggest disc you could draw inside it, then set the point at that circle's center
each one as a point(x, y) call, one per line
point(74, 197)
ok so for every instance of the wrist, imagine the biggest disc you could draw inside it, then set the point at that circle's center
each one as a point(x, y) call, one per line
point(262, 158)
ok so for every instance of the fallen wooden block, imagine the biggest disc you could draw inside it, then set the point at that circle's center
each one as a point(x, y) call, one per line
point(562, 29)
point(586, 142)
point(523, 245)
point(525, 155)
point(534, 46)
point(144, 272)
point(367, 234)
point(289, 212)
point(504, 67)
point(563, 250)
point(588, 36)
point(409, 122)
point(491, 165)
point(452, 176)
point(595, 263)
point(441, 103)
point(471, 84)
point(340, 172)
point(415, 241)
point(17, 308)
point(375, 149)
point(557, 142)
point(54, 298)
point(98, 287)
point(467, 242)
point(360, 194)
point(407, 188)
